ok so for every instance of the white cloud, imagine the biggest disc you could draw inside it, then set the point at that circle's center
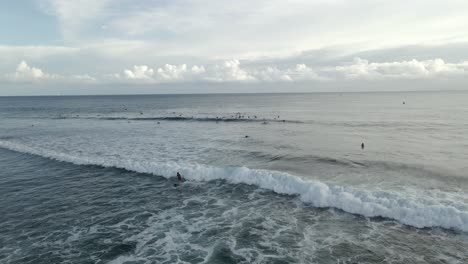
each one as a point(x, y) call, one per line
point(414, 69)
point(139, 72)
point(300, 72)
point(172, 72)
point(229, 70)
point(26, 73)
point(166, 73)
point(86, 78)
point(303, 72)
point(271, 73)
point(232, 71)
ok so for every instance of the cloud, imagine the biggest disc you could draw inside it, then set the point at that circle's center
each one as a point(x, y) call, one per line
point(300, 72)
point(166, 73)
point(412, 69)
point(139, 72)
point(172, 72)
point(229, 70)
point(271, 73)
point(85, 78)
point(221, 29)
point(25, 73)
point(73, 16)
point(233, 71)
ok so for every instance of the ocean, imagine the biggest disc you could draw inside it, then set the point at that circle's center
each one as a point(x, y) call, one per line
point(270, 178)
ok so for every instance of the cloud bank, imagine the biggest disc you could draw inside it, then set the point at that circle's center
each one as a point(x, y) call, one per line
point(234, 71)
point(25, 73)
point(412, 69)
point(246, 41)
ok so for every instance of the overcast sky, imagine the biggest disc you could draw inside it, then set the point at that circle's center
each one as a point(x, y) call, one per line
point(177, 46)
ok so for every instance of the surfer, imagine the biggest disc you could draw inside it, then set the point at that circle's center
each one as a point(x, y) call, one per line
point(180, 178)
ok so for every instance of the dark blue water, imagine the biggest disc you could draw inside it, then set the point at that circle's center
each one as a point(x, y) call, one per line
point(90, 179)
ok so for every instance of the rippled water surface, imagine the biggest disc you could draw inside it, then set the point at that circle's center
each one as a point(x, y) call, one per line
point(270, 178)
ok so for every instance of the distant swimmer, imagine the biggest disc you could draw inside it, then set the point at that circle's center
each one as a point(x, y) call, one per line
point(180, 178)
point(362, 145)
point(246, 136)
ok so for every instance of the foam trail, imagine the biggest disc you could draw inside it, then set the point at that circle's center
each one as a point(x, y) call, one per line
point(414, 210)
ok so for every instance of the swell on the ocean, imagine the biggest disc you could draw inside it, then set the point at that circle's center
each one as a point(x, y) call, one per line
point(183, 118)
point(411, 209)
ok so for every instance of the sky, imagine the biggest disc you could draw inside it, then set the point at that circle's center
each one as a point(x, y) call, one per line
point(200, 46)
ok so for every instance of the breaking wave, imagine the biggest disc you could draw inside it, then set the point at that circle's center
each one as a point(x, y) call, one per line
point(414, 209)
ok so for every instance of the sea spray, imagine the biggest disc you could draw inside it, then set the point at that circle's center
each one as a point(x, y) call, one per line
point(415, 210)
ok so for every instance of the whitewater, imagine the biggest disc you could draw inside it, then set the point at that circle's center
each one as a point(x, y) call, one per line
point(417, 211)
point(271, 178)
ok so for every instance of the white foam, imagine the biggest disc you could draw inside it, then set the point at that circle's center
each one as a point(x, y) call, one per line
point(411, 208)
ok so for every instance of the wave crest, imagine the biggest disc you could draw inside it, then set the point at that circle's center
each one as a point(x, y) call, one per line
point(182, 118)
point(410, 209)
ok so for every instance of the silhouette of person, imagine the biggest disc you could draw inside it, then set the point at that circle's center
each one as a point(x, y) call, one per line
point(180, 178)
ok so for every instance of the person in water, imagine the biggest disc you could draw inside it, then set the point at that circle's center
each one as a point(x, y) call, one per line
point(362, 145)
point(180, 178)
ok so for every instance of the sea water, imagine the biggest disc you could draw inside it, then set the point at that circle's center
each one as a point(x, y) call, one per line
point(271, 178)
